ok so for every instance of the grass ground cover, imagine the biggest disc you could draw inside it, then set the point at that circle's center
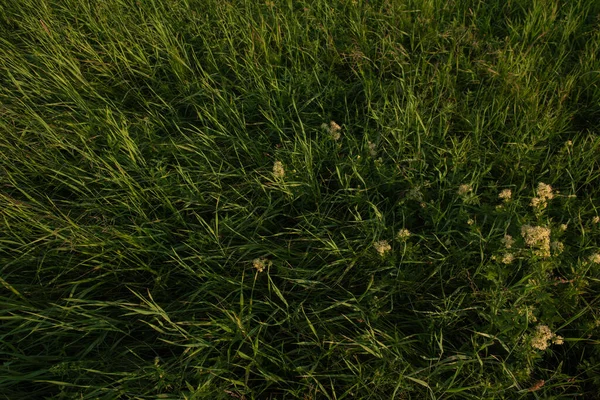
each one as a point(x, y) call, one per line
point(381, 199)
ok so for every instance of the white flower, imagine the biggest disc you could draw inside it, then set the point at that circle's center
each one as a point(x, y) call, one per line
point(505, 195)
point(372, 149)
point(508, 258)
point(464, 189)
point(278, 170)
point(260, 264)
point(382, 247)
point(403, 234)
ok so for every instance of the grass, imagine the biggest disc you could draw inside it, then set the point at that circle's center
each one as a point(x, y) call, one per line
point(179, 219)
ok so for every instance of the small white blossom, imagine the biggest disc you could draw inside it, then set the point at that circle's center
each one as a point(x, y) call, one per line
point(278, 170)
point(382, 247)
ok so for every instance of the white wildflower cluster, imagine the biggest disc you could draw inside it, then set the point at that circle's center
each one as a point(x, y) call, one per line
point(464, 190)
point(260, 264)
point(372, 149)
point(382, 247)
point(508, 241)
point(278, 170)
point(544, 193)
point(542, 337)
point(557, 247)
point(505, 195)
point(334, 130)
point(537, 237)
point(403, 234)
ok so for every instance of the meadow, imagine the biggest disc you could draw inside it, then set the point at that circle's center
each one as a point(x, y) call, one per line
point(300, 199)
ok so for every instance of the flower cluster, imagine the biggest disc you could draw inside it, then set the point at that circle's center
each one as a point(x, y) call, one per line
point(543, 335)
point(382, 247)
point(278, 170)
point(334, 129)
point(508, 241)
point(464, 190)
point(260, 264)
point(403, 234)
point(505, 195)
point(544, 193)
point(372, 149)
point(538, 237)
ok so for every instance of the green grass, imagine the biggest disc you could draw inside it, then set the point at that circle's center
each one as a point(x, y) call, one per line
point(137, 195)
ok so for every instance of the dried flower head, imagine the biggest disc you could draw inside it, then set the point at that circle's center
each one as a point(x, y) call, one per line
point(403, 234)
point(278, 170)
point(382, 247)
point(537, 385)
point(505, 195)
point(464, 189)
point(543, 334)
point(538, 237)
point(507, 241)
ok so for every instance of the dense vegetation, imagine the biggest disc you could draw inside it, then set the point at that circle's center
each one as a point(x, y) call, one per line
point(382, 199)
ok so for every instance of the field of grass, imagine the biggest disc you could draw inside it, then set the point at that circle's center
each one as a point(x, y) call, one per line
point(341, 199)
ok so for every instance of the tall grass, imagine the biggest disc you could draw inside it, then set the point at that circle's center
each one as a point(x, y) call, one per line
point(180, 217)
